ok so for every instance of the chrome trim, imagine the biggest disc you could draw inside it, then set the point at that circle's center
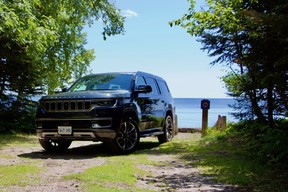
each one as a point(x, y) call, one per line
point(91, 119)
point(76, 134)
point(66, 105)
point(100, 127)
point(76, 105)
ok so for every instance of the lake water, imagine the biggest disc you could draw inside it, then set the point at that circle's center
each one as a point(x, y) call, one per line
point(189, 111)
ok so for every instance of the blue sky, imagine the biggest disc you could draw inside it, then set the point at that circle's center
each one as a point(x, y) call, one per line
point(151, 45)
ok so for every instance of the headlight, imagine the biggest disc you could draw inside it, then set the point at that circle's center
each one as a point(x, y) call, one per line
point(104, 103)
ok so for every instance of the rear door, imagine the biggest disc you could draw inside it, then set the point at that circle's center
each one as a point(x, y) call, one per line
point(145, 104)
point(165, 96)
point(157, 103)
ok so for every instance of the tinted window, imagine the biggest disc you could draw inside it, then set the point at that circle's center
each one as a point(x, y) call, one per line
point(152, 83)
point(140, 81)
point(103, 82)
point(163, 87)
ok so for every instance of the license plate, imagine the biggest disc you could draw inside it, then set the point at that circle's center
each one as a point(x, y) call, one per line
point(64, 130)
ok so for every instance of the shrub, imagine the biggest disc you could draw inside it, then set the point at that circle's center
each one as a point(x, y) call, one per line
point(261, 141)
point(17, 117)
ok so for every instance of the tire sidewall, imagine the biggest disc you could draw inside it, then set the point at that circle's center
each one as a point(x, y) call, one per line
point(165, 137)
point(115, 145)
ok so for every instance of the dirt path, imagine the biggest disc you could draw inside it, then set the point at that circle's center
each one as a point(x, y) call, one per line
point(170, 174)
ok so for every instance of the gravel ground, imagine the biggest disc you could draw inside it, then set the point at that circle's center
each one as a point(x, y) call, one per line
point(168, 174)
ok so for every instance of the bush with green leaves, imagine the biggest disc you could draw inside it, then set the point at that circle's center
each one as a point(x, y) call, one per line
point(17, 116)
point(261, 141)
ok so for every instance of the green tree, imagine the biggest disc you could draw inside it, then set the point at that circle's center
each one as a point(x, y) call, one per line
point(46, 37)
point(42, 44)
point(250, 37)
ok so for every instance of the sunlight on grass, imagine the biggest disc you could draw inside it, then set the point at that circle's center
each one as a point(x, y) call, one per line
point(17, 139)
point(17, 174)
point(6, 156)
point(178, 145)
point(118, 174)
point(97, 187)
point(218, 156)
point(224, 160)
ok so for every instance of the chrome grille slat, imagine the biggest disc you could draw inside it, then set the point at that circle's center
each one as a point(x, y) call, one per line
point(66, 105)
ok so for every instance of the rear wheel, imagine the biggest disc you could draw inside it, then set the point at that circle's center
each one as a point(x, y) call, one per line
point(54, 146)
point(168, 130)
point(176, 125)
point(127, 137)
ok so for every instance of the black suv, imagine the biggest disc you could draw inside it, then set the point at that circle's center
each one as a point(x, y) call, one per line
point(115, 108)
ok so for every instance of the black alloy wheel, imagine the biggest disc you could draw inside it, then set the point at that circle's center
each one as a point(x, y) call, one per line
point(127, 138)
point(168, 130)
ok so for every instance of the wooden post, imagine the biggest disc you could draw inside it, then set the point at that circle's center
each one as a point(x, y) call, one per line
point(204, 121)
point(205, 106)
point(221, 123)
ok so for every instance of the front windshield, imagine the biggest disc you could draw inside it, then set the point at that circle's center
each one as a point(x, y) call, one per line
point(111, 81)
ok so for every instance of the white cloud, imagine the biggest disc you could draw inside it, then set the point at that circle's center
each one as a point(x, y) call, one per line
point(129, 13)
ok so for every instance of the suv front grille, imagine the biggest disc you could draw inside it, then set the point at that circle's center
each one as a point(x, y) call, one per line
point(66, 105)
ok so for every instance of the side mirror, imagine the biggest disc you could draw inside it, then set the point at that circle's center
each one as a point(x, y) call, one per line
point(143, 89)
point(58, 90)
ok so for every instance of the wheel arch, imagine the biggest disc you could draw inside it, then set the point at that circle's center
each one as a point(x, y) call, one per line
point(131, 114)
point(174, 119)
point(169, 112)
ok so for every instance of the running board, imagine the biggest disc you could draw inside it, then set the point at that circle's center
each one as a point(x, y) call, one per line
point(149, 134)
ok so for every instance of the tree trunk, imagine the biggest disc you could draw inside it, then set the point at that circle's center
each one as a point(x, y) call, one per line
point(255, 107)
point(270, 106)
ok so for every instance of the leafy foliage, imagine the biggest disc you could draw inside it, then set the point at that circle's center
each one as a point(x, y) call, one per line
point(42, 45)
point(18, 116)
point(248, 36)
point(234, 157)
point(261, 141)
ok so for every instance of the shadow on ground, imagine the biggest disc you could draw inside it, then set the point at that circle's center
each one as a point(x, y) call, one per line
point(86, 151)
point(168, 174)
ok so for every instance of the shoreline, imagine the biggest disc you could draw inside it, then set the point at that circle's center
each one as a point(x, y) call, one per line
point(189, 130)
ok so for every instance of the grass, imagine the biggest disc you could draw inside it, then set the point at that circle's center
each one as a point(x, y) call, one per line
point(219, 156)
point(216, 155)
point(17, 139)
point(118, 174)
point(222, 158)
point(17, 174)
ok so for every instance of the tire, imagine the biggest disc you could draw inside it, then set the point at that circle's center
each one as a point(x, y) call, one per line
point(54, 146)
point(176, 130)
point(168, 130)
point(127, 137)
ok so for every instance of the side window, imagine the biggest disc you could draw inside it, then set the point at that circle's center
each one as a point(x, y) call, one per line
point(140, 81)
point(152, 83)
point(163, 87)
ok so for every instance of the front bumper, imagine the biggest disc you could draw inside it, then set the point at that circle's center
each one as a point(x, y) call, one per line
point(97, 124)
point(95, 129)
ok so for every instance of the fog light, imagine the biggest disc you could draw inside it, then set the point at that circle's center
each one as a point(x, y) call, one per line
point(103, 123)
point(95, 125)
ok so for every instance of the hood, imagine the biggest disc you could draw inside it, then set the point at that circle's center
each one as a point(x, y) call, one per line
point(88, 95)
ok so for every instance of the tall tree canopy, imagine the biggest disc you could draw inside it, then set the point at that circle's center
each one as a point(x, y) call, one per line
point(42, 42)
point(42, 45)
point(250, 37)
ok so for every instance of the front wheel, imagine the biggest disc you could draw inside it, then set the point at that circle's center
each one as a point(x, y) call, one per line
point(127, 137)
point(168, 130)
point(54, 146)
